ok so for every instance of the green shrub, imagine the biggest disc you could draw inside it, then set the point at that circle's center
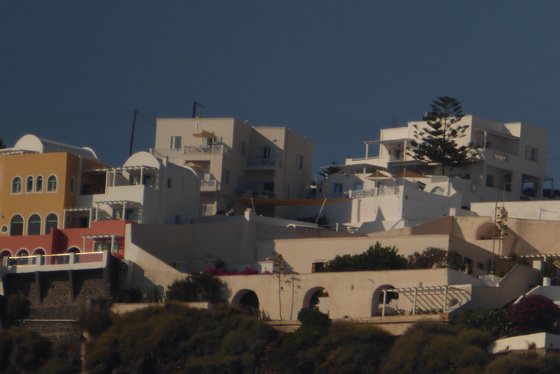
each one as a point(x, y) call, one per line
point(22, 350)
point(375, 258)
point(494, 321)
point(313, 319)
point(429, 347)
point(180, 339)
point(196, 287)
point(15, 307)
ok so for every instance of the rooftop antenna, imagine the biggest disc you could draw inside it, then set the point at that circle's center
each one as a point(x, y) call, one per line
point(132, 135)
point(394, 123)
point(197, 110)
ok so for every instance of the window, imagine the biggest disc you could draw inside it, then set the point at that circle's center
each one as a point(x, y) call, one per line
point(34, 225)
point(16, 185)
point(39, 183)
point(266, 152)
point(489, 180)
point(358, 186)
point(51, 183)
point(105, 245)
point(226, 176)
point(299, 162)
point(242, 148)
point(176, 142)
point(16, 225)
point(51, 223)
point(337, 188)
point(531, 153)
point(168, 182)
point(72, 184)
point(148, 180)
point(29, 184)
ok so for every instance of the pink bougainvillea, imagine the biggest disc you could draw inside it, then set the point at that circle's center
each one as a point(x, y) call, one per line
point(534, 313)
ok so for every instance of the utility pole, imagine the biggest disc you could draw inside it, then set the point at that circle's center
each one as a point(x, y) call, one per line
point(132, 135)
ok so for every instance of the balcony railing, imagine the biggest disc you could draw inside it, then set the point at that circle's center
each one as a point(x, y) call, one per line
point(499, 156)
point(45, 262)
point(209, 185)
point(272, 162)
point(361, 193)
point(207, 149)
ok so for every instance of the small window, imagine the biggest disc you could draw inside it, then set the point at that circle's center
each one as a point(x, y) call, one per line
point(226, 176)
point(72, 184)
point(337, 188)
point(299, 162)
point(489, 180)
point(242, 148)
point(176, 142)
point(168, 182)
point(39, 184)
point(16, 225)
point(51, 223)
point(29, 184)
point(266, 152)
point(51, 183)
point(16, 185)
point(34, 225)
point(358, 186)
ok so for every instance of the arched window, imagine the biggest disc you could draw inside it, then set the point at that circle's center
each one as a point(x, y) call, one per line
point(39, 183)
point(34, 225)
point(51, 222)
point(51, 183)
point(39, 252)
point(22, 252)
point(5, 253)
point(16, 185)
point(29, 184)
point(16, 225)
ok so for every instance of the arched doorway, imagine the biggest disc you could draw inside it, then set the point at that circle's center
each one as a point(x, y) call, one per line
point(391, 300)
point(247, 299)
point(317, 298)
point(5, 253)
point(486, 231)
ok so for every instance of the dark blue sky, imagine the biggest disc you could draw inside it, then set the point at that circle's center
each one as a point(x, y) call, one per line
point(333, 71)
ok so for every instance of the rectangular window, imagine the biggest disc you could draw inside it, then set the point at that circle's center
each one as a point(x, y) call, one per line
point(358, 186)
point(489, 180)
point(531, 153)
point(299, 162)
point(176, 142)
point(242, 148)
point(337, 188)
point(226, 176)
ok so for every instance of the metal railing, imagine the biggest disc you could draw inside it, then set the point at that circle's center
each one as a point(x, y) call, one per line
point(209, 185)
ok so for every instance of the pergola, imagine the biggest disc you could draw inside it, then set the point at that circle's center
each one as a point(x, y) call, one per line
point(429, 298)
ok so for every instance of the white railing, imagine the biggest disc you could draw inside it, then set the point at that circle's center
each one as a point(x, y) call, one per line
point(209, 185)
point(58, 259)
point(361, 193)
point(501, 156)
point(206, 149)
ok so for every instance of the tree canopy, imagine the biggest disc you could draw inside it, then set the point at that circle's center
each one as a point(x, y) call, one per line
point(376, 257)
point(436, 142)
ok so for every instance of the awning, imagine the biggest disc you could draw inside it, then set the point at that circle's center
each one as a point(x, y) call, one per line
point(299, 202)
point(378, 173)
point(409, 174)
point(204, 134)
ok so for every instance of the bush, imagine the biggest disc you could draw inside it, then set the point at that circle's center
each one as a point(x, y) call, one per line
point(22, 351)
point(196, 287)
point(313, 319)
point(429, 347)
point(494, 321)
point(430, 258)
point(534, 313)
point(180, 339)
point(95, 316)
point(375, 258)
point(15, 307)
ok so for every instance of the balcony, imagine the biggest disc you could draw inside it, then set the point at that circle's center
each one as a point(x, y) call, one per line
point(220, 149)
point(209, 185)
point(65, 261)
point(268, 163)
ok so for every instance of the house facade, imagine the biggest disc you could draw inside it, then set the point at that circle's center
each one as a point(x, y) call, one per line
point(234, 159)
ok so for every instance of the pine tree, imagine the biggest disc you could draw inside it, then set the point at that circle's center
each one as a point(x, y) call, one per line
point(436, 142)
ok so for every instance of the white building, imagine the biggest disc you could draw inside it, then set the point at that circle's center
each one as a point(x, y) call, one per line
point(512, 157)
point(144, 190)
point(238, 160)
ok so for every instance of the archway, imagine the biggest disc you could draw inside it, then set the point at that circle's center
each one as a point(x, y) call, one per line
point(247, 299)
point(73, 250)
point(486, 231)
point(391, 306)
point(317, 298)
point(4, 253)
